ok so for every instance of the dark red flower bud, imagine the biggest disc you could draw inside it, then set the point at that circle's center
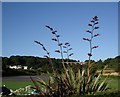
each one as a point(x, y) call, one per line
point(71, 54)
point(46, 56)
point(60, 44)
point(44, 49)
point(94, 47)
point(86, 39)
point(96, 23)
point(54, 32)
point(48, 53)
point(49, 27)
point(64, 46)
point(92, 21)
point(64, 52)
point(96, 35)
point(54, 39)
point(88, 31)
point(57, 51)
point(66, 43)
point(70, 49)
point(89, 54)
point(38, 43)
point(96, 27)
point(89, 24)
point(96, 17)
point(58, 36)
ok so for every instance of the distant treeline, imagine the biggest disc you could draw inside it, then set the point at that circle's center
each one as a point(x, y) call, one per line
point(36, 63)
point(31, 61)
point(43, 65)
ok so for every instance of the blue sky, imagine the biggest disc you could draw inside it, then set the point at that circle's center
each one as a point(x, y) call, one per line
point(25, 22)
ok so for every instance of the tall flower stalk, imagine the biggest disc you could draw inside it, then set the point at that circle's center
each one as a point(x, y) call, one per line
point(56, 39)
point(60, 50)
point(68, 48)
point(47, 54)
point(93, 26)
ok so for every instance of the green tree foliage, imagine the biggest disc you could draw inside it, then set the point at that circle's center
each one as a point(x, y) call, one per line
point(43, 63)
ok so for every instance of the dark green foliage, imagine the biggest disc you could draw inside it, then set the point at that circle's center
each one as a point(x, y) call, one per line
point(14, 72)
point(37, 62)
point(39, 65)
point(30, 61)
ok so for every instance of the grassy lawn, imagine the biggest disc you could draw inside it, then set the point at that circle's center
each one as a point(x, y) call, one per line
point(16, 84)
point(115, 94)
point(113, 84)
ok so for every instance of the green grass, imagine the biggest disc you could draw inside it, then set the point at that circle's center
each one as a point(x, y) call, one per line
point(115, 94)
point(113, 84)
point(15, 84)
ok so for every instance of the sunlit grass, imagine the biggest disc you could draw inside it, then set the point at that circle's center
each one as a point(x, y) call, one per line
point(113, 84)
point(16, 84)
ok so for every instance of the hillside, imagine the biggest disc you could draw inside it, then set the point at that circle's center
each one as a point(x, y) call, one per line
point(37, 64)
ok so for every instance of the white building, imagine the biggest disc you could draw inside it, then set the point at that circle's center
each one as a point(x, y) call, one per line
point(25, 67)
point(18, 67)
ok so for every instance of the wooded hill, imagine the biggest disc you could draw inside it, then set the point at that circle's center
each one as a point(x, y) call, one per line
point(43, 65)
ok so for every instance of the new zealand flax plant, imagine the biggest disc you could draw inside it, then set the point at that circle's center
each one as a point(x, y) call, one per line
point(69, 82)
point(93, 25)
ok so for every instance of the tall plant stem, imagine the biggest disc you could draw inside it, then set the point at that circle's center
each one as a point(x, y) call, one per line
point(61, 52)
point(89, 59)
point(51, 64)
point(67, 54)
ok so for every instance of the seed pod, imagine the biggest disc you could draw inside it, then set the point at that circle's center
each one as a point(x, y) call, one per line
point(94, 47)
point(96, 27)
point(66, 43)
point(38, 43)
point(96, 35)
point(71, 54)
point(70, 49)
point(89, 24)
point(49, 27)
point(92, 21)
point(64, 52)
point(89, 54)
point(53, 32)
point(58, 36)
point(64, 46)
point(46, 56)
point(88, 31)
point(48, 53)
point(60, 44)
point(54, 39)
point(96, 23)
point(86, 39)
point(44, 49)
point(57, 51)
